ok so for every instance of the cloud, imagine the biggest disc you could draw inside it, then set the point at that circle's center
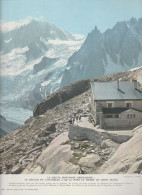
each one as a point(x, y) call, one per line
point(5, 27)
point(12, 25)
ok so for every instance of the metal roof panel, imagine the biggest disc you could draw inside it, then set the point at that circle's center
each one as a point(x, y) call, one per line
point(109, 90)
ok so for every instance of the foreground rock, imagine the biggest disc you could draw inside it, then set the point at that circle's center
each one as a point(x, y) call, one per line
point(127, 158)
point(55, 159)
point(25, 146)
point(108, 144)
point(65, 156)
point(89, 163)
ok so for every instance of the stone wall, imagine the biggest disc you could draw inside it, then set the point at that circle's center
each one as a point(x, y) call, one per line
point(114, 122)
point(93, 110)
point(123, 121)
point(80, 133)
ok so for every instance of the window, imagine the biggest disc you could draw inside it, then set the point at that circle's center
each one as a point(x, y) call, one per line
point(116, 116)
point(109, 116)
point(131, 115)
point(109, 104)
point(128, 104)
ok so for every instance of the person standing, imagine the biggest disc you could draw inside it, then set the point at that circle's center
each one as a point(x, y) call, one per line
point(70, 121)
point(73, 120)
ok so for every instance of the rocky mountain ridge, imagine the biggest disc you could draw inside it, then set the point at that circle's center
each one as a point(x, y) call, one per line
point(117, 49)
point(33, 56)
point(25, 149)
point(35, 31)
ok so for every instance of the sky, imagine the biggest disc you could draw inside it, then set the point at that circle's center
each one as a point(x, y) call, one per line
point(75, 16)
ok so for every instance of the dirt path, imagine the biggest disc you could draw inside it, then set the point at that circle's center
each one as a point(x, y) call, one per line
point(86, 124)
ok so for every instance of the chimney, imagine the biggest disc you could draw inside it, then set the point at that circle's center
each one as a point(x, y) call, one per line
point(135, 84)
point(118, 87)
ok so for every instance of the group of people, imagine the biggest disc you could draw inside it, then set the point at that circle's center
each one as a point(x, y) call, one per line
point(76, 118)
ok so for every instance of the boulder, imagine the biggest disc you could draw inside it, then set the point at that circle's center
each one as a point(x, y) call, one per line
point(136, 168)
point(81, 134)
point(89, 161)
point(77, 145)
point(119, 138)
point(16, 169)
point(127, 158)
point(55, 159)
point(108, 144)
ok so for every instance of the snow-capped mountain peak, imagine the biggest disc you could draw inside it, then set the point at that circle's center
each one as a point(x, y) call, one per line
point(117, 49)
point(33, 58)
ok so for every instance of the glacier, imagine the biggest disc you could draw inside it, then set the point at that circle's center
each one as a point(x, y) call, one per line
point(32, 65)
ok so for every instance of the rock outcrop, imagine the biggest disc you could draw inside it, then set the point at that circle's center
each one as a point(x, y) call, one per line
point(55, 159)
point(118, 138)
point(80, 133)
point(45, 62)
point(65, 156)
point(61, 96)
point(127, 158)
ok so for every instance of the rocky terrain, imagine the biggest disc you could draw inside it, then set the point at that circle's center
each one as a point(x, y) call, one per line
point(42, 144)
point(82, 157)
point(25, 144)
point(127, 158)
